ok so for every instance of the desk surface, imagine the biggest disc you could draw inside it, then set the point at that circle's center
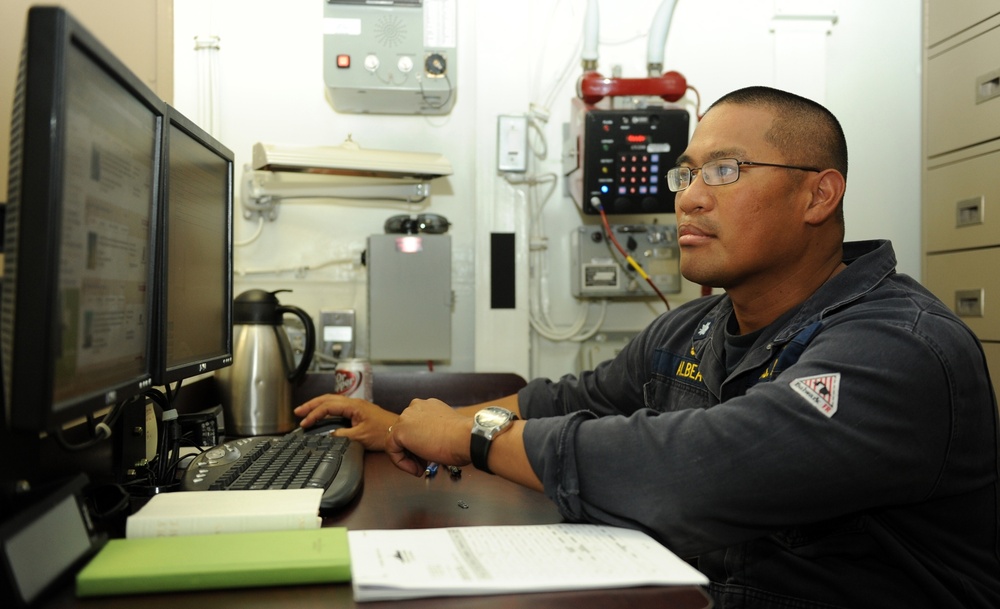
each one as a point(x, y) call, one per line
point(392, 499)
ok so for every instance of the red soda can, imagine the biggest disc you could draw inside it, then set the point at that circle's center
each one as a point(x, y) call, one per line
point(353, 378)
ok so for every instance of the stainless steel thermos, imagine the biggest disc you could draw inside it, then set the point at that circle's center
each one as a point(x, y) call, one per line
point(257, 389)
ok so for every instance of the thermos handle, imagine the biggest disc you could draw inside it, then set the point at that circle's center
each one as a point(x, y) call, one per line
point(300, 371)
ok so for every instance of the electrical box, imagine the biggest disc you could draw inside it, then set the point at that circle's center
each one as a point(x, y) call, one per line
point(601, 271)
point(336, 334)
point(618, 159)
point(409, 297)
point(390, 57)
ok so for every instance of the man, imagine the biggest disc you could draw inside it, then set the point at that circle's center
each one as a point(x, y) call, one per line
point(824, 434)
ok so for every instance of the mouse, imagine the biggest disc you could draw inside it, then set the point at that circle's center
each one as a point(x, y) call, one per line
point(324, 426)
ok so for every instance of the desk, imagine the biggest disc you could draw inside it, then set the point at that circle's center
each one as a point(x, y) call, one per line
point(392, 499)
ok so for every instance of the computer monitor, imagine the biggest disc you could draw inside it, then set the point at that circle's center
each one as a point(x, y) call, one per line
point(195, 254)
point(86, 144)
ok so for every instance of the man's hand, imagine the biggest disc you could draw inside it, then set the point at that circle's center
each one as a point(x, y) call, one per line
point(428, 430)
point(369, 423)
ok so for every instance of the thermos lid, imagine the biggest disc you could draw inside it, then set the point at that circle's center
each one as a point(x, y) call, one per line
point(257, 307)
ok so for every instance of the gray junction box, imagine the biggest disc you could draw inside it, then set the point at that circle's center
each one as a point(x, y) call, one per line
point(409, 297)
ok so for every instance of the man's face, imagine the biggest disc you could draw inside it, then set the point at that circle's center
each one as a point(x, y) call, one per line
point(749, 232)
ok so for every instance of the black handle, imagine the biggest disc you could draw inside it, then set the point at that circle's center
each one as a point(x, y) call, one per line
point(300, 371)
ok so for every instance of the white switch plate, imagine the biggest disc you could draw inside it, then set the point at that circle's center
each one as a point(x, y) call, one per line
point(512, 143)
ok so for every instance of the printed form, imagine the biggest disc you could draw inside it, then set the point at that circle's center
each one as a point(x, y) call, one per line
point(461, 561)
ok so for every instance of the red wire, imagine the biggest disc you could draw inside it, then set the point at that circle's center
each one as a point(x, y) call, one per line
point(614, 240)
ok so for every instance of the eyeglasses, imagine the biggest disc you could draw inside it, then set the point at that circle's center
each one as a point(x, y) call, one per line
point(718, 172)
point(433, 224)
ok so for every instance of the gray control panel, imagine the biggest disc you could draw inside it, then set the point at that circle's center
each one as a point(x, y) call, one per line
point(391, 56)
point(600, 270)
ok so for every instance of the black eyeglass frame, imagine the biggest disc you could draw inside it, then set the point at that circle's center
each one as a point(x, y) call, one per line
point(674, 173)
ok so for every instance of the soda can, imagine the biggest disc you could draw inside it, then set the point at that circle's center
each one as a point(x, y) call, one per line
point(353, 378)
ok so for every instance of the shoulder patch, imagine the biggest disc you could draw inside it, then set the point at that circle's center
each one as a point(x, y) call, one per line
point(821, 391)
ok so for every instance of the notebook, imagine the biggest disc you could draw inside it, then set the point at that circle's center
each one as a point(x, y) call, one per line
point(230, 560)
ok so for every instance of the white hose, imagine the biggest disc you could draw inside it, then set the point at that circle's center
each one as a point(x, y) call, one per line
point(658, 36)
point(591, 32)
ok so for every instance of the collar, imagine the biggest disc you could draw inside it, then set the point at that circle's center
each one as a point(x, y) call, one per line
point(868, 263)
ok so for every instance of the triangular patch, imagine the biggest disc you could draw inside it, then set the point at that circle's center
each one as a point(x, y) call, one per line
point(821, 391)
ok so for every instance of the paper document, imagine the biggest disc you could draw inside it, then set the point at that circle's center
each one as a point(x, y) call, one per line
point(461, 561)
point(211, 512)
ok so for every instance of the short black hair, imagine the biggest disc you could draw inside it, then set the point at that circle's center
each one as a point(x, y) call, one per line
point(807, 132)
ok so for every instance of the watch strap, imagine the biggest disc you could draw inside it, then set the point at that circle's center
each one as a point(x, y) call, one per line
point(479, 450)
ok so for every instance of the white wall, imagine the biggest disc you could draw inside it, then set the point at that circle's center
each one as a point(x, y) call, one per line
point(864, 66)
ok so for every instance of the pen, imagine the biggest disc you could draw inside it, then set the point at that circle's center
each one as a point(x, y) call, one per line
point(432, 469)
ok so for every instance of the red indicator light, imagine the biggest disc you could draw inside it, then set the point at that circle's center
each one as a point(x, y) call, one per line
point(343, 61)
point(409, 244)
point(633, 138)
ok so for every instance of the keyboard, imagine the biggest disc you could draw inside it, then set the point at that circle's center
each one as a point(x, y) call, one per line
point(298, 459)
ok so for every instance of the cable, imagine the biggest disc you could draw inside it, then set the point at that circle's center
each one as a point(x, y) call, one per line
point(538, 314)
point(697, 107)
point(255, 235)
point(300, 270)
point(107, 500)
point(573, 333)
point(567, 69)
point(427, 100)
point(628, 257)
point(171, 392)
point(168, 450)
point(99, 432)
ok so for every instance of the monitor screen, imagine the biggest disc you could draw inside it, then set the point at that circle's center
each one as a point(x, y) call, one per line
point(195, 297)
point(86, 142)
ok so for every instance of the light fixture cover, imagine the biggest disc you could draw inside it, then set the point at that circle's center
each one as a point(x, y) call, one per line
point(350, 159)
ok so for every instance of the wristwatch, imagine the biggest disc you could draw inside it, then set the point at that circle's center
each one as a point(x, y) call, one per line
point(488, 423)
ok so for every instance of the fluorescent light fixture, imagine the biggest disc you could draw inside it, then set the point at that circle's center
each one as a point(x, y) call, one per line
point(346, 171)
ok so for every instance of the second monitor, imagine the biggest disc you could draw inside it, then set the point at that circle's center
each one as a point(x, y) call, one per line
point(194, 257)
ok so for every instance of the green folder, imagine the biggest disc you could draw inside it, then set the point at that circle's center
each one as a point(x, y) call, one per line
point(228, 560)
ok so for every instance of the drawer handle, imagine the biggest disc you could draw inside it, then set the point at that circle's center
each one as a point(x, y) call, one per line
point(987, 86)
point(969, 303)
point(969, 211)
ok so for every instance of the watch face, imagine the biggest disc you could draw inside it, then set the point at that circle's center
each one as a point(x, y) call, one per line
point(492, 416)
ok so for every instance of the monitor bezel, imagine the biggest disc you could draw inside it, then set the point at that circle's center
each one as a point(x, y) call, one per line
point(35, 205)
point(165, 373)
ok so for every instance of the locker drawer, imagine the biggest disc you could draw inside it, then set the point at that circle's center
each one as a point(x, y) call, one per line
point(963, 94)
point(968, 282)
point(961, 203)
point(946, 18)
